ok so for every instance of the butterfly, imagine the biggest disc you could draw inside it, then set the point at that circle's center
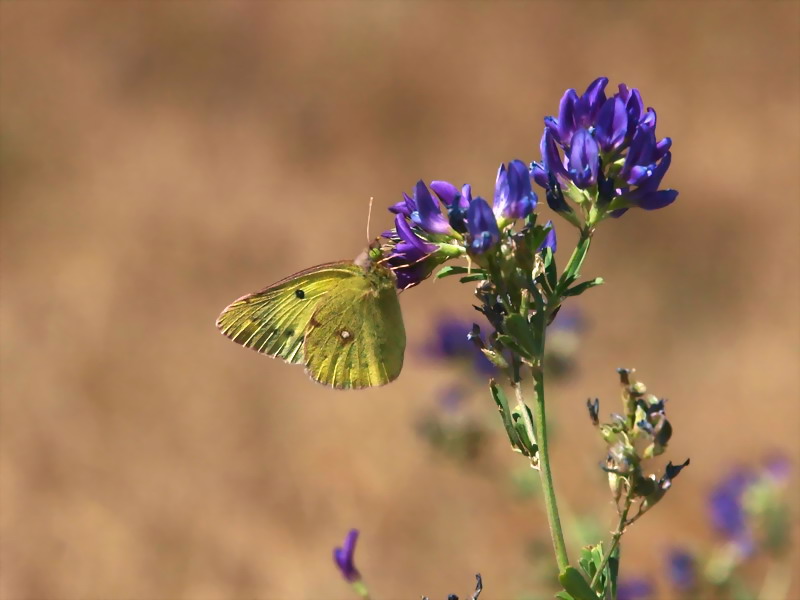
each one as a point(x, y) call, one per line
point(341, 320)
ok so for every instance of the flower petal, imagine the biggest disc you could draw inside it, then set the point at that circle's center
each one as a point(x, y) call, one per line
point(584, 159)
point(428, 214)
point(482, 226)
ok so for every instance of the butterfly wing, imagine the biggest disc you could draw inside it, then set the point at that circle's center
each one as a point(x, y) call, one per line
point(274, 320)
point(356, 337)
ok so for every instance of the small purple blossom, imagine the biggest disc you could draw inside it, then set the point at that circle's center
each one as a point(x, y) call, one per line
point(584, 159)
point(343, 557)
point(428, 214)
point(605, 142)
point(550, 240)
point(410, 255)
point(727, 510)
point(681, 569)
point(777, 467)
point(482, 226)
point(457, 203)
point(513, 196)
point(451, 341)
point(634, 589)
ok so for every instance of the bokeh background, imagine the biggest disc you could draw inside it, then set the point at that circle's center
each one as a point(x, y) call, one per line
point(161, 159)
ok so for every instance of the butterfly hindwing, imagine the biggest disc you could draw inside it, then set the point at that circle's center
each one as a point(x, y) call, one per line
point(274, 320)
point(356, 337)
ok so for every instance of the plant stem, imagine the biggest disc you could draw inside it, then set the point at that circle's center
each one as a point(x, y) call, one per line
point(615, 537)
point(545, 471)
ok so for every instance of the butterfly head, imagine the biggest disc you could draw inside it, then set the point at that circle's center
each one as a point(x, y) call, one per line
point(372, 255)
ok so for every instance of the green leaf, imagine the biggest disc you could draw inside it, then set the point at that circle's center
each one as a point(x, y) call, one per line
point(572, 272)
point(577, 290)
point(612, 570)
point(564, 596)
point(576, 585)
point(448, 270)
point(550, 269)
point(511, 344)
point(527, 446)
point(475, 277)
point(518, 328)
point(502, 405)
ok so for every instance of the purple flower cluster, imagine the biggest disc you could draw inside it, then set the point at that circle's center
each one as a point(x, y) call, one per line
point(430, 229)
point(604, 152)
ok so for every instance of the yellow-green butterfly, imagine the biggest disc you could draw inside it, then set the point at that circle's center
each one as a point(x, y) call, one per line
point(341, 320)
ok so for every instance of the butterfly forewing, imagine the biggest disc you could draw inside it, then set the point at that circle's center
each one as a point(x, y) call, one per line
point(274, 321)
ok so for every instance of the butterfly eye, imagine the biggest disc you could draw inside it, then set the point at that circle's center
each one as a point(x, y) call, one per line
point(300, 294)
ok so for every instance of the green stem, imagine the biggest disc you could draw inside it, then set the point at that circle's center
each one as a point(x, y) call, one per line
point(545, 471)
point(360, 588)
point(615, 537)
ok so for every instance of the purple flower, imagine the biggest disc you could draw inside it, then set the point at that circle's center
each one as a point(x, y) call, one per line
point(513, 196)
point(451, 341)
point(777, 467)
point(584, 159)
point(412, 258)
point(605, 142)
point(575, 112)
point(343, 557)
point(681, 569)
point(727, 510)
point(482, 226)
point(428, 214)
point(549, 239)
point(569, 319)
point(406, 207)
point(634, 589)
point(457, 203)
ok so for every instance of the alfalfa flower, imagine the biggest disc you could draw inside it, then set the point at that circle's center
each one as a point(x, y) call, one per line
point(602, 154)
point(344, 557)
point(513, 196)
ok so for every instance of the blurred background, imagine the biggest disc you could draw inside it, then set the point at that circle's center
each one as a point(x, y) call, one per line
point(161, 159)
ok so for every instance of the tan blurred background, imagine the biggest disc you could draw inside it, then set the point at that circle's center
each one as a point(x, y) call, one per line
point(161, 159)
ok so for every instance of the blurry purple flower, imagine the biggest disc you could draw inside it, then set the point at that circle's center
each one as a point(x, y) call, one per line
point(482, 226)
point(451, 341)
point(634, 589)
point(343, 557)
point(513, 196)
point(727, 511)
point(569, 319)
point(452, 397)
point(778, 467)
point(681, 569)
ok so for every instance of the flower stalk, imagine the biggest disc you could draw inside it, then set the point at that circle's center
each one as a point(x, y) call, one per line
point(545, 468)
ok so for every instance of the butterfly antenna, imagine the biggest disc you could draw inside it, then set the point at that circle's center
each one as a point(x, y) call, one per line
point(369, 217)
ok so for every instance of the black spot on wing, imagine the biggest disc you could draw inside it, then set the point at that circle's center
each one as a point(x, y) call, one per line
point(300, 294)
